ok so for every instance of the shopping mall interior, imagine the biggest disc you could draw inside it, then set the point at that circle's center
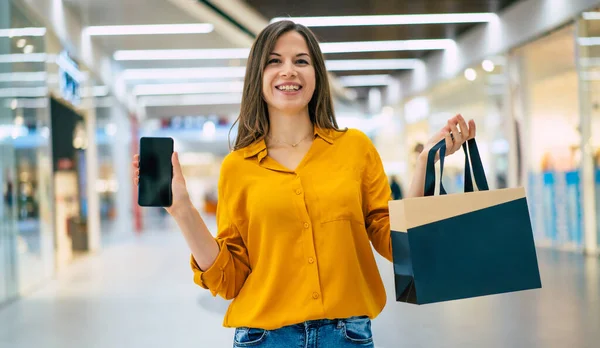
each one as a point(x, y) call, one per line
point(82, 264)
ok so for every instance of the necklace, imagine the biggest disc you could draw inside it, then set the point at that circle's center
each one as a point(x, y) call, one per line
point(292, 145)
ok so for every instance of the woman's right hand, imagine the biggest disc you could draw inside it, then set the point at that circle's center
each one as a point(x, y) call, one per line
point(181, 197)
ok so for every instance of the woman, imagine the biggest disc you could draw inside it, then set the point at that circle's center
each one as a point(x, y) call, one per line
point(300, 202)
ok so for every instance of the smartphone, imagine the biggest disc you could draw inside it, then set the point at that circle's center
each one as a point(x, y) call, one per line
point(156, 172)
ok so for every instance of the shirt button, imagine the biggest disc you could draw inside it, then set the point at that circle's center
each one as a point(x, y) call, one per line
point(315, 295)
point(306, 225)
point(311, 260)
point(298, 191)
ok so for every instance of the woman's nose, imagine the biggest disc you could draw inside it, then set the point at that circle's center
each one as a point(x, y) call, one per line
point(288, 70)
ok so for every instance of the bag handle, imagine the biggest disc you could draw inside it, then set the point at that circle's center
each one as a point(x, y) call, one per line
point(472, 159)
point(429, 189)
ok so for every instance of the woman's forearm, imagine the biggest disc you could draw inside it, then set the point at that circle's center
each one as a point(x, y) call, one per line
point(418, 181)
point(202, 244)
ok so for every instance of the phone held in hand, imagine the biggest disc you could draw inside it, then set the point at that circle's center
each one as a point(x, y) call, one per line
point(156, 172)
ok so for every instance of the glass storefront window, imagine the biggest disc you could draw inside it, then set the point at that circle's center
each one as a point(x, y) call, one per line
point(26, 250)
point(546, 80)
point(588, 55)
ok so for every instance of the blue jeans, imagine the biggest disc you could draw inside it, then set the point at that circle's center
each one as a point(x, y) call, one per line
point(339, 333)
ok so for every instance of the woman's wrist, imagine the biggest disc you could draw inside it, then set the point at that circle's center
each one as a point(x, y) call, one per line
point(422, 160)
point(181, 209)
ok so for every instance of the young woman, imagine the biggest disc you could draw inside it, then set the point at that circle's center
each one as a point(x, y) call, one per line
point(300, 203)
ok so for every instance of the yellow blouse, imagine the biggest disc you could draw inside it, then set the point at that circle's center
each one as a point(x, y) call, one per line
point(295, 245)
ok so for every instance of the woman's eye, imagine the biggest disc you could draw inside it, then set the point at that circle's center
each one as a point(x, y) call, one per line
point(274, 60)
point(302, 61)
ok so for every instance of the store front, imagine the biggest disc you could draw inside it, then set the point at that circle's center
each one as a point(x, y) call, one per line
point(48, 208)
point(588, 62)
point(538, 115)
point(26, 209)
point(546, 82)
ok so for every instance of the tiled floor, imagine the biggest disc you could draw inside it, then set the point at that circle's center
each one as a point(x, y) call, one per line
point(140, 294)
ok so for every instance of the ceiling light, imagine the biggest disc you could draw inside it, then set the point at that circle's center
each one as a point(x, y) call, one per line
point(192, 99)
point(371, 64)
point(23, 58)
point(488, 65)
point(28, 49)
point(95, 91)
point(184, 73)
point(23, 92)
point(185, 54)
point(590, 16)
point(21, 43)
point(151, 29)
point(29, 103)
point(240, 71)
point(365, 80)
point(15, 32)
point(189, 88)
point(243, 53)
point(381, 46)
point(334, 21)
point(589, 41)
point(23, 77)
point(470, 74)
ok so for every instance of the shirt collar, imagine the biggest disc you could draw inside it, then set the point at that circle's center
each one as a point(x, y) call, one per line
point(259, 146)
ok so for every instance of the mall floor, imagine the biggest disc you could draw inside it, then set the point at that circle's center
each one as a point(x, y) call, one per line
point(139, 293)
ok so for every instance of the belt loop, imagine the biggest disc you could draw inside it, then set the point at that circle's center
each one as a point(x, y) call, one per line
point(340, 323)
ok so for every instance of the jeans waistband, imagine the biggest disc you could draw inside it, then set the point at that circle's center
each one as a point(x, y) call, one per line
point(322, 322)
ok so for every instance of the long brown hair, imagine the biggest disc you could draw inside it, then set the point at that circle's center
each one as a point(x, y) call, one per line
point(254, 118)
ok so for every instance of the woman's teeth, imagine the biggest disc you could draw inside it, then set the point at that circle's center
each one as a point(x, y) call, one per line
point(288, 88)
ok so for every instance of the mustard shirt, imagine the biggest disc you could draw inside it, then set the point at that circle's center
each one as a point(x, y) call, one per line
point(296, 245)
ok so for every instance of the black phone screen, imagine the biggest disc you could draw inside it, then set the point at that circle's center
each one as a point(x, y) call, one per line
point(156, 172)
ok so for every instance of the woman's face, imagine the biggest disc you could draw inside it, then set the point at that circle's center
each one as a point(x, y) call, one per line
point(289, 77)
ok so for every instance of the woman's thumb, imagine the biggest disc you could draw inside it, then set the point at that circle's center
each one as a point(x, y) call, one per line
point(176, 166)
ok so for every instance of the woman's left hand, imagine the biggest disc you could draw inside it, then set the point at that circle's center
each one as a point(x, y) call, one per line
point(456, 132)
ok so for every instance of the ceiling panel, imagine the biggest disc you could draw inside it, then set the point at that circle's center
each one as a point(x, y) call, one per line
point(119, 12)
point(309, 8)
point(122, 12)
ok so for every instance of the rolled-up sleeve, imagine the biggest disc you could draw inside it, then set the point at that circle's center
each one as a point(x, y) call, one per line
point(377, 194)
point(226, 276)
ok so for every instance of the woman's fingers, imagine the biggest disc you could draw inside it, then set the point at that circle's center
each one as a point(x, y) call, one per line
point(456, 136)
point(177, 173)
point(136, 172)
point(472, 130)
point(464, 129)
point(449, 141)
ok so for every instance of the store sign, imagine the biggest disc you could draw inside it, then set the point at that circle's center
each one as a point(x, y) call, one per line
point(70, 78)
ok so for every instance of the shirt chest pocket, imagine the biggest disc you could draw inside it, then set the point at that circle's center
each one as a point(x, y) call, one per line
point(339, 197)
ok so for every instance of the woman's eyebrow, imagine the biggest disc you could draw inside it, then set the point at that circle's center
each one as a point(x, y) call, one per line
point(298, 55)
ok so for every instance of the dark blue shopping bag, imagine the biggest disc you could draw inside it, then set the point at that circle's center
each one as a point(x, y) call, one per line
point(455, 246)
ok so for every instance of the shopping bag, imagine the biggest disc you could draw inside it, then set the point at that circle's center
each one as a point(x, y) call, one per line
point(463, 245)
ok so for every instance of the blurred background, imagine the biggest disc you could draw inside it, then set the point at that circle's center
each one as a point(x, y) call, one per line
point(81, 81)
